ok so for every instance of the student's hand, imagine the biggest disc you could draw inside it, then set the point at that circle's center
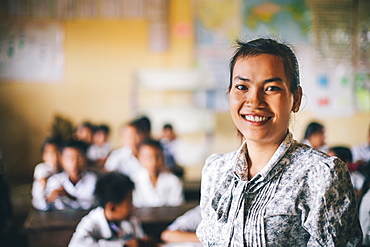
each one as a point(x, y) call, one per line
point(132, 243)
point(63, 192)
point(55, 194)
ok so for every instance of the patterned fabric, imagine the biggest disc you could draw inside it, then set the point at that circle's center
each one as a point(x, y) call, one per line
point(302, 197)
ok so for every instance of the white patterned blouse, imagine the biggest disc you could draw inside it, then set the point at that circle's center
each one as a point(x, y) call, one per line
point(302, 197)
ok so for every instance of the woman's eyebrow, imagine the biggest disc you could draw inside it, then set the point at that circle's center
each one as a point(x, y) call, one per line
point(274, 79)
point(241, 78)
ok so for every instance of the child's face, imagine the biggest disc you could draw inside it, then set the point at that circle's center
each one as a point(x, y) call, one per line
point(151, 158)
point(73, 161)
point(51, 154)
point(123, 210)
point(99, 138)
point(84, 134)
point(318, 139)
point(131, 137)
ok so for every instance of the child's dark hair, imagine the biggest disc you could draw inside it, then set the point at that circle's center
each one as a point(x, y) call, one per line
point(152, 143)
point(313, 128)
point(104, 128)
point(53, 141)
point(343, 153)
point(79, 145)
point(112, 187)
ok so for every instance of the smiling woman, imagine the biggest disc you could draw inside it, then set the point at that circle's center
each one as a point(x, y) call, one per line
point(273, 190)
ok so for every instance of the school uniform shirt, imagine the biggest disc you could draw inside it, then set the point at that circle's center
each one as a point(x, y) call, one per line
point(167, 192)
point(188, 222)
point(361, 152)
point(302, 197)
point(95, 230)
point(42, 170)
point(324, 149)
point(365, 218)
point(123, 161)
point(95, 152)
point(83, 191)
point(357, 179)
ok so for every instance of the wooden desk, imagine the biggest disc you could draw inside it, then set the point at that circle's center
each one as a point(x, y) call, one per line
point(55, 228)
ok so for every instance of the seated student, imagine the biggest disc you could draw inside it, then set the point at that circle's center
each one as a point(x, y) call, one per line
point(100, 148)
point(170, 144)
point(112, 222)
point(72, 188)
point(155, 187)
point(315, 137)
point(361, 152)
point(124, 159)
point(49, 167)
point(345, 154)
point(84, 133)
point(183, 228)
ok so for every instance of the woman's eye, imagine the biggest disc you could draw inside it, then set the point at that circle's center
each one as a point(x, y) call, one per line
point(241, 87)
point(273, 88)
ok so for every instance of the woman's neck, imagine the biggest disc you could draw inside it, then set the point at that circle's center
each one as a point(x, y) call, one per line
point(258, 156)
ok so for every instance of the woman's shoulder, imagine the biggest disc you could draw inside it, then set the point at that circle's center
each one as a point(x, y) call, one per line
point(219, 163)
point(314, 159)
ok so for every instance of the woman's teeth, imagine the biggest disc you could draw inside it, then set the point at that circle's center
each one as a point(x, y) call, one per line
point(255, 118)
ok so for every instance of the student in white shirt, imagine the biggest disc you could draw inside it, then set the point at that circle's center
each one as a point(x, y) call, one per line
point(49, 167)
point(155, 187)
point(100, 148)
point(183, 228)
point(124, 159)
point(112, 223)
point(361, 152)
point(72, 188)
point(315, 137)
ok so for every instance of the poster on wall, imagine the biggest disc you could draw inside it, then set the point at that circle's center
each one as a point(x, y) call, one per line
point(217, 26)
point(31, 52)
point(289, 20)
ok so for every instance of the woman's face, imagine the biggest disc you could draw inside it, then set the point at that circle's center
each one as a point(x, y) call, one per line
point(260, 99)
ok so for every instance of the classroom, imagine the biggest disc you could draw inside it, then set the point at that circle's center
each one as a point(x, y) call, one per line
point(65, 62)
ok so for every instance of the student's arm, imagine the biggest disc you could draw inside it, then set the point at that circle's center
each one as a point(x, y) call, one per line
point(178, 236)
point(85, 197)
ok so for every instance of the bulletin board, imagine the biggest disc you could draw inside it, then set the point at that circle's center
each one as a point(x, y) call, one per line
point(31, 52)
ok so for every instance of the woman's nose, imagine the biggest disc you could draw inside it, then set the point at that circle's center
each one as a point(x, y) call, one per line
point(255, 99)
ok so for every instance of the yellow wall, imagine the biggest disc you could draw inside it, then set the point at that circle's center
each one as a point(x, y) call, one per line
point(101, 58)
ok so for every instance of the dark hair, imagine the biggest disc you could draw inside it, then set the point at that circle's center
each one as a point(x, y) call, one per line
point(53, 141)
point(104, 128)
point(313, 128)
point(142, 125)
point(343, 153)
point(152, 143)
point(272, 47)
point(112, 187)
point(79, 145)
point(168, 126)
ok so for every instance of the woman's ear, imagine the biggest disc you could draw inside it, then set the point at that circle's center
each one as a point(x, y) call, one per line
point(297, 98)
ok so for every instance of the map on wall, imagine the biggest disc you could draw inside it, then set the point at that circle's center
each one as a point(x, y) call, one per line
point(31, 52)
point(286, 19)
point(217, 26)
